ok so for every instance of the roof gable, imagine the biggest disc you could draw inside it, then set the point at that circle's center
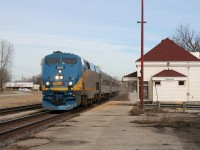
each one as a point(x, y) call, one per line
point(168, 50)
point(169, 73)
point(134, 74)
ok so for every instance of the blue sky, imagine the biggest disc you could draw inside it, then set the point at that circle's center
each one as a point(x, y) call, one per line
point(104, 32)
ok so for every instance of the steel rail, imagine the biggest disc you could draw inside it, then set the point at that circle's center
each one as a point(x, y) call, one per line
point(36, 126)
point(11, 135)
point(13, 130)
point(12, 121)
point(19, 109)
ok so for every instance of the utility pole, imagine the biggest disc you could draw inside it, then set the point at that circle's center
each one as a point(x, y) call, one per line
point(142, 58)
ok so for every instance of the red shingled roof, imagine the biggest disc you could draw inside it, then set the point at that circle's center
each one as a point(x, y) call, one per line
point(169, 73)
point(167, 50)
point(134, 74)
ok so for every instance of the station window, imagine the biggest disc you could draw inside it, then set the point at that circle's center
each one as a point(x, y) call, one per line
point(157, 83)
point(181, 82)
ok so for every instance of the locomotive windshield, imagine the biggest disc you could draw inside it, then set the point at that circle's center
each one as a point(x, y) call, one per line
point(50, 61)
point(69, 60)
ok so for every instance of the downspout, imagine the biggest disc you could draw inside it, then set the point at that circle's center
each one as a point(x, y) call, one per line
point(156, 93)
point(188, 89)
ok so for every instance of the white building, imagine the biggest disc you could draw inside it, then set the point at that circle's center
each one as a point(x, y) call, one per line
point(16, 85)
point(170, 74)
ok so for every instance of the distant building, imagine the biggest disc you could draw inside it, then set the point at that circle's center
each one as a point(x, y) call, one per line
point(36, 87)
point(170, 74)
point(17, 85)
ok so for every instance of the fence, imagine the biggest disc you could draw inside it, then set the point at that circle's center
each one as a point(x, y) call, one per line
point(182, 106)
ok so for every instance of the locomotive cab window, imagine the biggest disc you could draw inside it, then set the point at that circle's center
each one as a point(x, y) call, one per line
point(50, 61)
point(69, 60)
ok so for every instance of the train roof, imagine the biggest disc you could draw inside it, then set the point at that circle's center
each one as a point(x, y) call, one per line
point(60, 53)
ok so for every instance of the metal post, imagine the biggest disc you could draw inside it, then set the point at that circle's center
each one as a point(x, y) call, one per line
point(142, 58)
point(158, 105)
point(184, 106)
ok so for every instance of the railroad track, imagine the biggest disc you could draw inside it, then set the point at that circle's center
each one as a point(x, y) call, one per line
point(21, 127)
point(5, 126)
point(14, 110)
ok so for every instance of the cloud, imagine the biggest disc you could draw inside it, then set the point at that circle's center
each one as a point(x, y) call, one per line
point(114, 59)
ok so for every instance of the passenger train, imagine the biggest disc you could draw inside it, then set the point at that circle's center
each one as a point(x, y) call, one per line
point(70, 81)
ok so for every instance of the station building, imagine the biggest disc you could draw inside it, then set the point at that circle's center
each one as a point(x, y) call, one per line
point(171, 74)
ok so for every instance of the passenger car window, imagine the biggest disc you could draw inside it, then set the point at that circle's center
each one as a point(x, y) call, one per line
point(69, 61)
point(88, 65)
point(50, 61)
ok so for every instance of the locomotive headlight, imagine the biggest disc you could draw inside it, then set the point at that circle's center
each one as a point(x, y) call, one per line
point(56, 77)
point(70, 83)
point(59, 71)
point(61, 77)
point(47, 83)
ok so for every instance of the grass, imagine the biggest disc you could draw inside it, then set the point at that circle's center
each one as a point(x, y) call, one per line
point(165, 121)
point(136, 111)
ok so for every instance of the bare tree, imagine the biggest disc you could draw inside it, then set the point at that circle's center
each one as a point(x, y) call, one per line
point(187, 38)
point(6, 57)
point(6, 76)
point(38, 79)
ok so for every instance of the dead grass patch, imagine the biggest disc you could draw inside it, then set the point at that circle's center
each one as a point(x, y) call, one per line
point(146, 121)
point(72, 121)
point(167, 121)
point(136, 111)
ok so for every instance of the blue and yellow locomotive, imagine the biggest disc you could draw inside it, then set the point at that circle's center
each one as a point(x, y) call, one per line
point(70, 81)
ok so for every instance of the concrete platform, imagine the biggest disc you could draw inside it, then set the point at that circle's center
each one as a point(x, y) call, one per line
point(109, 127)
